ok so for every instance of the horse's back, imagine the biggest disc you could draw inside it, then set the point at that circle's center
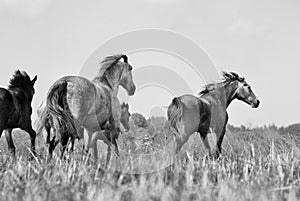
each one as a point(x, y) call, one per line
point(85, 100)
point(79, 92)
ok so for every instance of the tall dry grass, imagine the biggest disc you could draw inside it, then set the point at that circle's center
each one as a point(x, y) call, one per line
point(255, 165)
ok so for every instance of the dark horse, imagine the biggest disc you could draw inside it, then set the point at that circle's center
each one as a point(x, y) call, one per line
point(15, 108)
point(188, 114)
point(79, 108)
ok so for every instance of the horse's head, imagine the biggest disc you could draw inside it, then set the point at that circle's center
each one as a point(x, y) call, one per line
point(126, 80)
point(245, 93)
point(22, 80)
point(125, 115)
point(242, 90)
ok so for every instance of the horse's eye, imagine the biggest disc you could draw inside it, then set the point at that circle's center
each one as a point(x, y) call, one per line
point(129, 68)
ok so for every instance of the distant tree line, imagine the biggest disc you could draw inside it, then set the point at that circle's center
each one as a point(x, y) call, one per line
point(140, 121)
point(153, 123)
point(293, 129)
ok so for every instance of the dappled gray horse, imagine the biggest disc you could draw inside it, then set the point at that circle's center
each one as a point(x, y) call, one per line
point(188, 114)
point(125, 116)
point(15, 108)
point(78, 107)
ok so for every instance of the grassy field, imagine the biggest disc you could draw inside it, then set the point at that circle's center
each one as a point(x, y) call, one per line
point(258, 164)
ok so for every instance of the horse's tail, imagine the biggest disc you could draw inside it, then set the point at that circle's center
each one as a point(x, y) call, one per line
point(41, 118)
point(175, 110)
point(58, 109)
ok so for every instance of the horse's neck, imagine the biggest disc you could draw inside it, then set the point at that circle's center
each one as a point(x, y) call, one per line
point(111, 83)
point(20, 94)
point(225, 94)
point(230, 89)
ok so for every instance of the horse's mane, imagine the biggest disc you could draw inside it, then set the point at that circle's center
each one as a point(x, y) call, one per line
point(208, 88)
point(232, 76)
point(110, 61)
point(20, 79)
point(227, 77)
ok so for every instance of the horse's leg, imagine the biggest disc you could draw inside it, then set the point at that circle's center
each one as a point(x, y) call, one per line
point(72, 144)
point(5, 111)
point(181, 138)
point(72, 138)
point(10, 143)
point(115, 146)
point(205, 141)
point(110, 141)
point(115, 122)
point(203, 130)
point(1, 128)
point(32, 134)
point(111, 144)
point(108, 155)
point(94, 145)
point(87, 137)
point(220, 140)
point(52, 145)
point(90, 142)
point(64, 143)
point(113, 136)
point(220, 132)
point(48, 130)
point(180, 141)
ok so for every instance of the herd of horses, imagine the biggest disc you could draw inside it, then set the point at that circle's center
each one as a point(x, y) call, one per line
point(78, 108)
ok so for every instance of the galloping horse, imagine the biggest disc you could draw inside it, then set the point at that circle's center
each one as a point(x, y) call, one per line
point(15, 108)
point(188, 114)
point(79, 108)
point(125, 116)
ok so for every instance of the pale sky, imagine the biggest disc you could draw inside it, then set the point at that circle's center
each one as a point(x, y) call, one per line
point(258, 39)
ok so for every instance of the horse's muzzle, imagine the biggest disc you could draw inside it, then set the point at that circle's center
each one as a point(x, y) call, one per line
point(131, 92)
point(255, 105)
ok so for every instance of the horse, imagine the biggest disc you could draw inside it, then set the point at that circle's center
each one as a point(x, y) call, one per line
point(79, 108)
point(188, 114)
point(15, 108)
point(125, 116)
point(47, 124)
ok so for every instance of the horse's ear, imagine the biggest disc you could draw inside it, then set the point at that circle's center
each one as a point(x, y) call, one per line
point(127, 105)
point(34, 80)
point(125, 58)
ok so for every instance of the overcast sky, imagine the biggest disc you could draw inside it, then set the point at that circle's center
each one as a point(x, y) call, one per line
point(258, 39)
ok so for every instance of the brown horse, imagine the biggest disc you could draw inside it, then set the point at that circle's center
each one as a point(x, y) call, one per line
point(125, 116)
point(79, 108)
point(15, 108)
point(188, 114)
